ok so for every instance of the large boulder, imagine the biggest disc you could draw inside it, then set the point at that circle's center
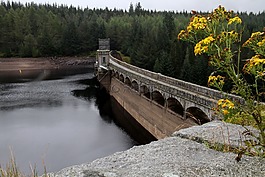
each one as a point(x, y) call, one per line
point(176, 156)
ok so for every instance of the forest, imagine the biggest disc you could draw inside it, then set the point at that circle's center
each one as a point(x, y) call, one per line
point(148, 37)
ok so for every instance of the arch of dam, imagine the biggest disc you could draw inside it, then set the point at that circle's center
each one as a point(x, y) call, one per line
point(161, 104)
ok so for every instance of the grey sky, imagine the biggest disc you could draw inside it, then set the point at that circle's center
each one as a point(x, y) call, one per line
point(179, 5)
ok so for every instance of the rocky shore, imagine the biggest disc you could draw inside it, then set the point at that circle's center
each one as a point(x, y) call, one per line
point(184, 154)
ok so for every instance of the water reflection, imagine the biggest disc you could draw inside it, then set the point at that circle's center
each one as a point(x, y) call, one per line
point(109, 107)
point(99, 96)
point(89, 92)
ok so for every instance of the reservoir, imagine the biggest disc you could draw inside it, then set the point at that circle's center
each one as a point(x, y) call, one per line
point(60, 122)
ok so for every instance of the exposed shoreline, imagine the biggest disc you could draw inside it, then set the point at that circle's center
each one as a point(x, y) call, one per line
point(27, 69)
point(17, 64)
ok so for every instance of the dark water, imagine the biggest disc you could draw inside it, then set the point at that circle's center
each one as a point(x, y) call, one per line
point(60, 122)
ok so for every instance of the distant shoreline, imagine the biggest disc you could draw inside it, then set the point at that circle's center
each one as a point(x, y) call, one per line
point(20, 64)
point(29, 69)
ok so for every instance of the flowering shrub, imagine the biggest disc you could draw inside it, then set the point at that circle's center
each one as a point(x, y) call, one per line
point(218, 36)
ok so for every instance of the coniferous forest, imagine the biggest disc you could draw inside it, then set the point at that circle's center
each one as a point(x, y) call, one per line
point(148, 37)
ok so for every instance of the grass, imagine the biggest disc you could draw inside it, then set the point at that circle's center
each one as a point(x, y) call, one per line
point(244, 146)
point(11, 170)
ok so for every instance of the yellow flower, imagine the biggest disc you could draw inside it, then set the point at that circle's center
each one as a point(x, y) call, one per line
point(220, 10)
point(181, 34)
point(257, 39)
point(189, 28)
point(230, 104)
point(208, 40)
point(228, 35)
point(235, 20)
point(220, 102)
point(197, 23)
point(255, 66)
point(256, 34)
point(261, 43)
point(220, 14)
point(203, 46)
point(197, 49)
point(261, 73)
point(248, 42)
point(212, 80)
point(225, 112)
point(225, 103)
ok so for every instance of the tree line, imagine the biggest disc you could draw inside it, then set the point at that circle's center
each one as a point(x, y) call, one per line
point(148, 37)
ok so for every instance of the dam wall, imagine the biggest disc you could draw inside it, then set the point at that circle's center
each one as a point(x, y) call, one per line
point(152, 116)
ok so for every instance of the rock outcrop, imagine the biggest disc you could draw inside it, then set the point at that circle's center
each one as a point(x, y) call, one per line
point(183, 154)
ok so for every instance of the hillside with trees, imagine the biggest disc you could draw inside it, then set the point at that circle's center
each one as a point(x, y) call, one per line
point(148, 37)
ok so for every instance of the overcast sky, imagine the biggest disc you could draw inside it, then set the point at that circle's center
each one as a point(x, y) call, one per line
point(175, 5)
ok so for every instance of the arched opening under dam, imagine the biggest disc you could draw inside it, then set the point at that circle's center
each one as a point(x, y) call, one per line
point(144, 90)
point(128, 82)
point(174, 105)
point(158, 98)
point(135, 86)
point(121, 78)
point(197, 115)
point(117, 75)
